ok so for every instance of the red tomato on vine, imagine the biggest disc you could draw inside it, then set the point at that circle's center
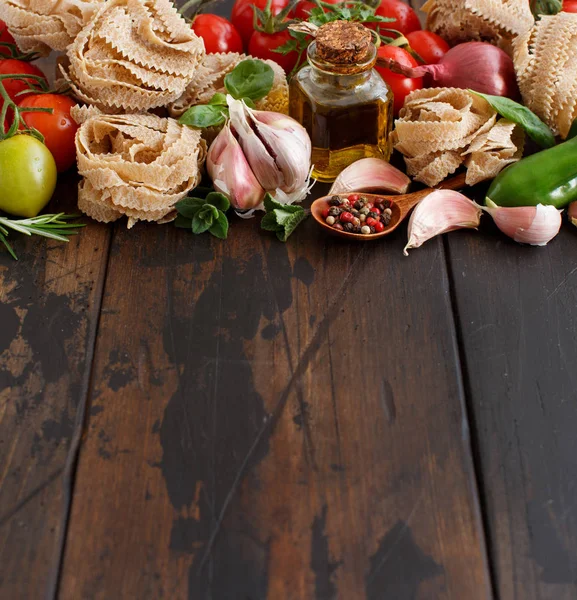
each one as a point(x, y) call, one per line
point(242, 16)
point(218, 34)
point(400, 85)
point(406, 19)
point(58, 128)
point(5, 38)
point(428, 45)
point(12, 66)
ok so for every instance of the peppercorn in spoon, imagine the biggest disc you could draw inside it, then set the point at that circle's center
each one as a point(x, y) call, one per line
point(378, 221)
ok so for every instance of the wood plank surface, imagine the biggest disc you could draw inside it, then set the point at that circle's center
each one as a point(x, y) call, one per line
point(49, 306)
point(517, 310)
point(274, 421)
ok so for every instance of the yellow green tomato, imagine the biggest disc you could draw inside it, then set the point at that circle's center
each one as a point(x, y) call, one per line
point(27, 176)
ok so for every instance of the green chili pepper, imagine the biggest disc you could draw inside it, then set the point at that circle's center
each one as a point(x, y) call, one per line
point(548, 177)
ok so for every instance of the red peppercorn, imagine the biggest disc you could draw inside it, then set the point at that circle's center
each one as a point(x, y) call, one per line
point(338, 226)
point(370, 221)
point(379, 226)
point(325, 212)
point(353, 197)
point(346, 217)
point(376, 210)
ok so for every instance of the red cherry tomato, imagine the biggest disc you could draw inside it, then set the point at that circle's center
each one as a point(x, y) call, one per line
point(262, 44)
point(304, 7)
point(406, 19)
point(400, 85)
point(428, 45)
point(570, 6)
point(11, 66)
point(218, 34)
point(57, 128)
point(242, 15)
point(5, 38)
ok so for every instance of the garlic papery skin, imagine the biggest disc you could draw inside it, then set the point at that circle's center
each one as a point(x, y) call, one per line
point(277, 148)
point(534, 225)
point(572, 212)
point(370, 174)
point(230, 172)
point(440, 212)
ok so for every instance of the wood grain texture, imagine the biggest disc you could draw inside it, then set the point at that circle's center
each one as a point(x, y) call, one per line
point(518, 316)
point(274, 421)
point(49, 306)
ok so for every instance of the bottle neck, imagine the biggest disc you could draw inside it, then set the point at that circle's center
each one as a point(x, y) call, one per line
point(337, 80)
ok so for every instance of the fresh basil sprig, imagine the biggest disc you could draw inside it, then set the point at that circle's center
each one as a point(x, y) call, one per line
point(204, 214)
point(250, 80)
point(528, 120)
point(283, 219)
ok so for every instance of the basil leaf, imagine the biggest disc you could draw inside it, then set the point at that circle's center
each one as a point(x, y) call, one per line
point(249, 102)
point(188, 207)
point(219, 200)
point(251, 79)
point(218, 99)
point(204, 115)
point(183, 222)
point(200, 225)
point(220, 227)
point(529, 121)
point(573, 131)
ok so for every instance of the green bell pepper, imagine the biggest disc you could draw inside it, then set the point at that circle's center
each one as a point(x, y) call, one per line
point(548, 177)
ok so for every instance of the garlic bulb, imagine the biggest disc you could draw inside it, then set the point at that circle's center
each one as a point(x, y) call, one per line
point(259, 152)
point(440, 212)
point(534, 225)
point(370, 174)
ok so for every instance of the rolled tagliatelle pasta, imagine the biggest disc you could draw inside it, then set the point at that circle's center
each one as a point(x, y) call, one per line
point(44, 25)
point(210, 79)
point(442, 129)
point(134, 55)
point(495, 21)
point(546, 65)
point(135, 165)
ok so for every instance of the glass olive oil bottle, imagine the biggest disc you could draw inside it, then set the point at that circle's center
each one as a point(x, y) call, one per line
point(341, 100)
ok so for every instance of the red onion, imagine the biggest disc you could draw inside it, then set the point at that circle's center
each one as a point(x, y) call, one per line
point(479, 66)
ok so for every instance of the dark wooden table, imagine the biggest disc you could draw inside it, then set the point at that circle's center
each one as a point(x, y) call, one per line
point(186, 418)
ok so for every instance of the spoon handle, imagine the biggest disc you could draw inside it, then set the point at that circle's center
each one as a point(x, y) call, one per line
point(409, 201)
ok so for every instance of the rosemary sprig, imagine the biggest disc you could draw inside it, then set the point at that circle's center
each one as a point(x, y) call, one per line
point(52, 226)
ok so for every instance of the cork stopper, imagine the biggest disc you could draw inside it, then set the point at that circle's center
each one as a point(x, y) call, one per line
point(343, 42)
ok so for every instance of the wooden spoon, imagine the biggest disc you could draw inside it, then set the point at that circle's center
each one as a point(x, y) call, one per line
point(401, 207)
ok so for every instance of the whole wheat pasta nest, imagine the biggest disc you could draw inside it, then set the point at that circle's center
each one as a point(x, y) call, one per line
point(135, 165)
point(546, 64)
point(133, 56)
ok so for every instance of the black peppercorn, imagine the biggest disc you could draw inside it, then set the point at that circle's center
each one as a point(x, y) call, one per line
point(358, 205)
point(372, 215)
point(335, 201)
point(373, 230)
point(348, 227)
point(334, 211)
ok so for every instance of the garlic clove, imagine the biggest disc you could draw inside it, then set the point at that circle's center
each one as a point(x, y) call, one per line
point(572, 212)
point(258, 156)
point(290, 145)
point(230, 172)
point(440, 212)
point(370, 174)
point(534, 225)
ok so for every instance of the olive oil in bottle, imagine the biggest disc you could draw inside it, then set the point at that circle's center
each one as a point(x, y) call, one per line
point(341, 100)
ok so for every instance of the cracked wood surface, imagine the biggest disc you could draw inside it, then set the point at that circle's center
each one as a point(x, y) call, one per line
point(259, 420)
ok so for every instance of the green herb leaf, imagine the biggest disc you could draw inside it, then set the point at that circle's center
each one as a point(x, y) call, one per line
point(204, 115)
point(183, 222)
point(283, 219)
point(220, 226)
point(218, 99)
point(249, 79)
point(208, 212)
point(188, 207)
point(219, 200)
point(199, 225)
point(249, 102)
point(529, 121)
